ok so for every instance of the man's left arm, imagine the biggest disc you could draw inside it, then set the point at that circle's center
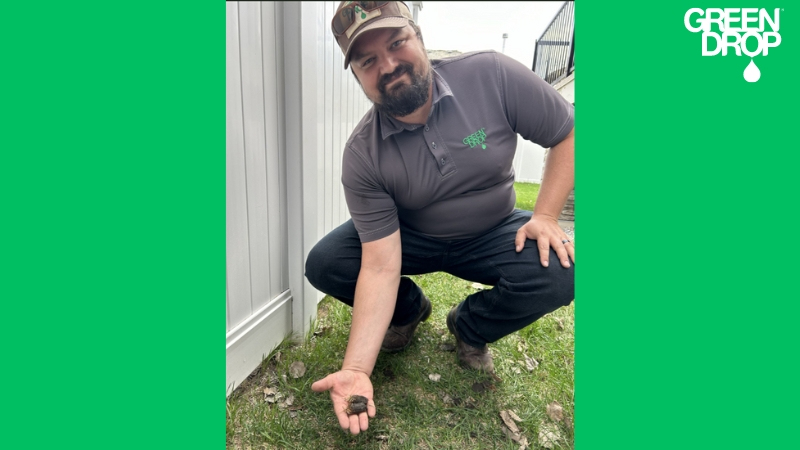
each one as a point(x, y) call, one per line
point(557, 182)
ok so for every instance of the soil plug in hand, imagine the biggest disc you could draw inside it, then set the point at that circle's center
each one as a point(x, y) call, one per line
point(351, 394)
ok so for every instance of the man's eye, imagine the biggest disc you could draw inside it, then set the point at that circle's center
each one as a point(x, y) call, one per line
point(367, 62)
point(397, 43)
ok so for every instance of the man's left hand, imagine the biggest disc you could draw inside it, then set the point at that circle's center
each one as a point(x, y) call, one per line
point(546, 232)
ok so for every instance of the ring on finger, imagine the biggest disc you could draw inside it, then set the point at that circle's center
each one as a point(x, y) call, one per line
point(565, 241)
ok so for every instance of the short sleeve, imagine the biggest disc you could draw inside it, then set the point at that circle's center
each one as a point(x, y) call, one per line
point(534, 109)
point(372, 209)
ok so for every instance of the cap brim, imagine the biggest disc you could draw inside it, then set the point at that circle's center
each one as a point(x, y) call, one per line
point(387, 22)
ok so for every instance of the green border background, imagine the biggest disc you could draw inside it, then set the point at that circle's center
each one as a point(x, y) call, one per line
point(685, 322)
point(114, 193)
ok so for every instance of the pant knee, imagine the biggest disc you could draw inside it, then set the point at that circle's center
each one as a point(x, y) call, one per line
point(316, 263)
point(332, 267)
point(552, 288)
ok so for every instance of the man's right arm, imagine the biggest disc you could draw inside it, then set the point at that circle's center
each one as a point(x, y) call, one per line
point(373, 307)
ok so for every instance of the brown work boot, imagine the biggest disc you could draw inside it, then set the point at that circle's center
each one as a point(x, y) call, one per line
point(399, 337)
point(469, 356)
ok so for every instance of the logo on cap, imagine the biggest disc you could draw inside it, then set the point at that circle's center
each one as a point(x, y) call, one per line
point(361, 17)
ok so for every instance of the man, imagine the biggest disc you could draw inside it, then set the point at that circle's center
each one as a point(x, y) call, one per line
point(428, 180)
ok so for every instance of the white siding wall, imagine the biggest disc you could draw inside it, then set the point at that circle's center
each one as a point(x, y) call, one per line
point(528, 161)
point(290, 108)
point(342, 105)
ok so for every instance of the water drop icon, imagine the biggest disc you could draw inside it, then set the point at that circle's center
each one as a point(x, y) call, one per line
point(751, 73)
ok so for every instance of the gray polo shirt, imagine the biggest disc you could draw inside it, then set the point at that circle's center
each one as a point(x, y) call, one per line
point(451, 178)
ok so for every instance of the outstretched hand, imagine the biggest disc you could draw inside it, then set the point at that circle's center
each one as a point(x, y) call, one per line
point(547, 233)
point(343, 384)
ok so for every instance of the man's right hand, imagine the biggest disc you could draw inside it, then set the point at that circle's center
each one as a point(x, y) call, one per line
point(343, 384)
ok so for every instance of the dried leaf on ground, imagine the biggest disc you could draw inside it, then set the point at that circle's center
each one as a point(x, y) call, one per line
point(297, 369)
point(447, 347)
point(382, 437)
point(509, 422)
point(293, 414)
point(514, 416)
point(290, 400)
point(447, 399)
point(548, 436)
point(434, 377)
point(271, 395)
point(555, 412)
point(531, 363)
point(516, 437)
point(477, 286)
point(559, 323)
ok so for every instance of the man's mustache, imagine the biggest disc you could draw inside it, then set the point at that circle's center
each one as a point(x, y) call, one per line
point(389, 77)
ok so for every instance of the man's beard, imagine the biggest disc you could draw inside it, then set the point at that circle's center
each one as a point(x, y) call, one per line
point(403, 99)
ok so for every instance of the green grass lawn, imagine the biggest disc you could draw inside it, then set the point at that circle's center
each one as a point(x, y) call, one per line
point(534, 369)
point(526, 195)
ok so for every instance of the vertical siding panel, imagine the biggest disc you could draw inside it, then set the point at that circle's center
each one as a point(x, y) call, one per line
point(345, 133)
point(347, 129)
point(330, 45)
point(255, 151)
point(281, 103)
point(319, 14)
point(336, 116)
point(237, 252)
point(349, 126)
point(273, 166)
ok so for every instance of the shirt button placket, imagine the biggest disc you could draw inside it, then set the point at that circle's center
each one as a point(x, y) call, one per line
point(433, 146)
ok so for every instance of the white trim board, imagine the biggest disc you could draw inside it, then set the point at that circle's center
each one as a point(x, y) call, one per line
point(249, 342)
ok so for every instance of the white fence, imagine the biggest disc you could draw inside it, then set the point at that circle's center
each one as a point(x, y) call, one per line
point(290, 108)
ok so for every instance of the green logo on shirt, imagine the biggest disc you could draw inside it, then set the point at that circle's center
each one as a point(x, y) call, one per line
point(476, 138)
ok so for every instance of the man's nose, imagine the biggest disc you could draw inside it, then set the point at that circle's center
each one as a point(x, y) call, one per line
point(388, 64)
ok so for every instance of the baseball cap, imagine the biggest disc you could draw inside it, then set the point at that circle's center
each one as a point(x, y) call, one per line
point(352, 19)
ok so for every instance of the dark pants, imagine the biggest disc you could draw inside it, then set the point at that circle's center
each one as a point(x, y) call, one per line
point(523, 290)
